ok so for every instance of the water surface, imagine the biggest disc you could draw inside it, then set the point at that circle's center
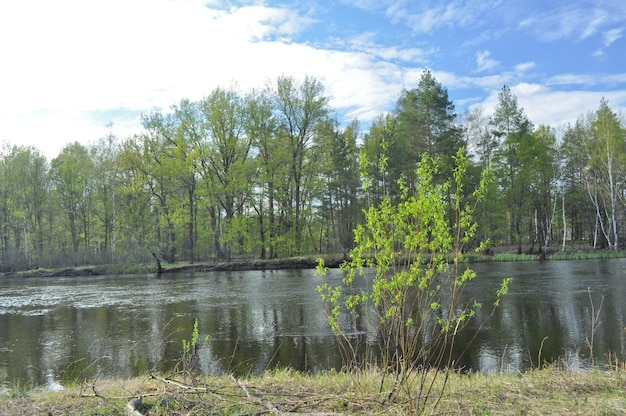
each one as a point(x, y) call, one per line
point(57, 329)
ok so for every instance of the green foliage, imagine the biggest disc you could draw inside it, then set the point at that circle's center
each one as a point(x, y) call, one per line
point(191, 349)
point(270, 173)
point(412, 300)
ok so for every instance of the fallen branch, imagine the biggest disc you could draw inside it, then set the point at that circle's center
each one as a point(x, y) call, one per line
point(181, 385)
point(269, 406)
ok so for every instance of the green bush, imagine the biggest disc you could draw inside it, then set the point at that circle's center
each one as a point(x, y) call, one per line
point(409, 253)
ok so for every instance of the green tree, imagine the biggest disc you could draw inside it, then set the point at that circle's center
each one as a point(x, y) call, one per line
point(72, 178)
point(225, 162)
point(183, 134)
point(24, 194)
point(491, 213)
point(539, 163)
point(154, 172)
point(271, 163)
point(301, 110)
point(479, 137)
point(608, 171)
point(104, 155)
point(340, 204)
point(427, 124)
point(139, 209)
point(32, 172)
point(379, 172)
point(575, 155)
point(512, 128)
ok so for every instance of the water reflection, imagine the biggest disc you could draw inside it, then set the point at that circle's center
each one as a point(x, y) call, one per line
point(55, 330)
point(548, 314)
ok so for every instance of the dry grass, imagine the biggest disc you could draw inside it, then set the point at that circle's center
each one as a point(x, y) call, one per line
point(550, 390)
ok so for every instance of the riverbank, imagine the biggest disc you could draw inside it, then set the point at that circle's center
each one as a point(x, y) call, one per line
point(502, 254)
point(550, 390)
point(304, 262)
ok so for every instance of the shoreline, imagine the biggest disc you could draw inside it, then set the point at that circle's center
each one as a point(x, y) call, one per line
point(301, 262)
point(551, 389)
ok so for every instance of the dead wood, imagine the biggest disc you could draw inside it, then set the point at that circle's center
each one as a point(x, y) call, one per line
point(270, 406)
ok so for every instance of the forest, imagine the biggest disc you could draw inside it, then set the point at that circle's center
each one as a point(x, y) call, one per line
point(271, 173)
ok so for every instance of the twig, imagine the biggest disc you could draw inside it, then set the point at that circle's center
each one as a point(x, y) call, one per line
point(181, 385)
point(270, 407)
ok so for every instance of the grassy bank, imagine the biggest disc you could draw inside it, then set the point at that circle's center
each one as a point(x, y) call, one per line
point(509, 256)
point(550, 390)
point(301, 262)
point(502, 254)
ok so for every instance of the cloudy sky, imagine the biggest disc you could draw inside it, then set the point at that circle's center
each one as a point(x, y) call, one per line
point(69, 68)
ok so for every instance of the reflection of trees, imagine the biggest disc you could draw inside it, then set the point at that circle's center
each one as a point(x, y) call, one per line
point(259, 320)
point(547, 300)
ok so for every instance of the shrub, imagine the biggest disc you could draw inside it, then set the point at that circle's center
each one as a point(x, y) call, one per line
point(409, 253)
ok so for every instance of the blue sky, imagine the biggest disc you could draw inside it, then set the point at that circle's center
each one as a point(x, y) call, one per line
point(70, 67)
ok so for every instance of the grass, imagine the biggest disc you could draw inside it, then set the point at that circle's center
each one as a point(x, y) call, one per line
point(548, 390)
point(508, 256)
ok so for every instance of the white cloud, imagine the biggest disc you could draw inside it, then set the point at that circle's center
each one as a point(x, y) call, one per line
point(369, 4)
point(68, 58)
point(587, 80)
point(138, 56)
point(523, 67)
point(73, 66)
point(608, 38)
point(611, 36)
point(424, 17)
point(556, 108)
point(366, 43)
point(572, 79)
point(484, 62)
point(592, 26)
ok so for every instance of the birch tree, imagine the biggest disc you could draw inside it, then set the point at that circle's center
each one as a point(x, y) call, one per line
point(608, 167)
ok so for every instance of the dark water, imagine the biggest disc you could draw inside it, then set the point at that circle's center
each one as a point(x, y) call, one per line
point(56, 330)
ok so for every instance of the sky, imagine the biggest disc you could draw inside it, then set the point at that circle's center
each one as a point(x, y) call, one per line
point(77, 70)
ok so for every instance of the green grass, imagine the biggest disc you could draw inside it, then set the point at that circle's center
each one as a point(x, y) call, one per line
point(548, 390)
point(588, 255)
point(558, 255)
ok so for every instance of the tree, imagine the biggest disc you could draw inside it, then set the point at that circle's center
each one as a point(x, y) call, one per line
point(183, 134)
point(150, 160)
point(479, 137)
point(344, 184)
point(104, 155)
point(271, 162)
point(575, 155)
point(139, 214)
point(224, 159)
point(608, 171)
point(512, 128)
point(426, 124)
point(32, 169)
point(539, 163)
point(71, 174)
point(381, 163)
point(301, 110)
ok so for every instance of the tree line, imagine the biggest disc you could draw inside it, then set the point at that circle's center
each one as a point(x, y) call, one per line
point(271, 173)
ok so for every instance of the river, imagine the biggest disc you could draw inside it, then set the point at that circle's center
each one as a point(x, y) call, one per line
point(55, 330)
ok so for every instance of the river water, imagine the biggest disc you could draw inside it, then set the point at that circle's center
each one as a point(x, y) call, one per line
point(55, 330)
